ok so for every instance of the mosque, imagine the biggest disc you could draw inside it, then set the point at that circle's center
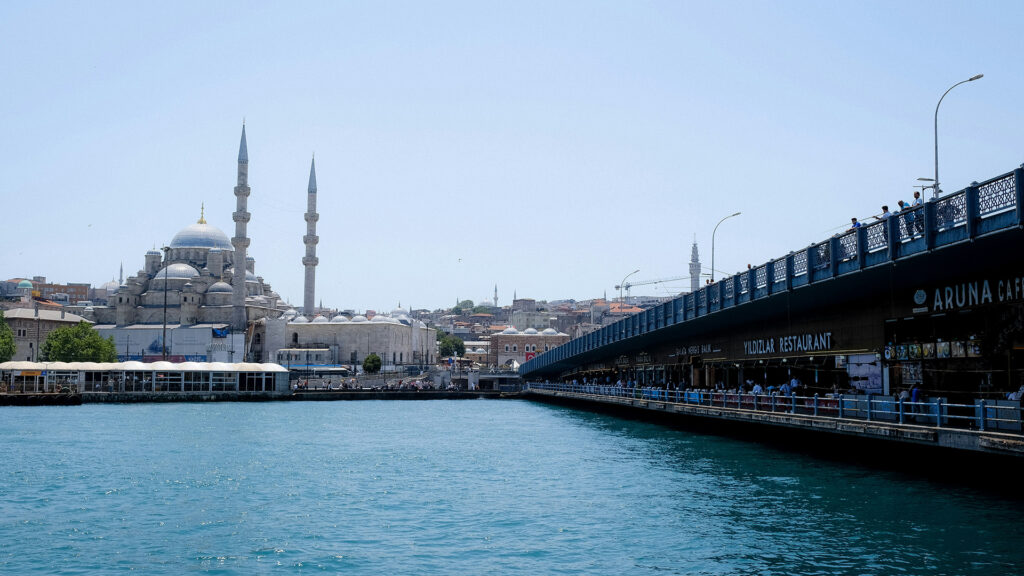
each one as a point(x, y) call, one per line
point(204, 287)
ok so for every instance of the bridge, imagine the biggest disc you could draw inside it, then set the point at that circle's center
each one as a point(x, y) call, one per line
point(927, 297)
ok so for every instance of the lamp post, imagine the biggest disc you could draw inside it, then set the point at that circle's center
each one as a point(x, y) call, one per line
point(163, 341)
point(935, 184)
point(713, 243)
point(621, 284)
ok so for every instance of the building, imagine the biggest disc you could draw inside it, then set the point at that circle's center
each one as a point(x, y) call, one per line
point(512, 347)
point(202, 286)
point(400, 341)
point(31, 326)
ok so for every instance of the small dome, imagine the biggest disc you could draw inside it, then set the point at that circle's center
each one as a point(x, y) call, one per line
point(201, 236)
point(319, 319)
point(359, 318)
point(550, 332)
point(249, 276)
point(379, 318)
point(25, 284)
point(300, 320)
point(339, 318)
point(220, 288)
point(111, 286)
point(291, 312)
point(177, 271)
point(510, 330)
point(530, 331)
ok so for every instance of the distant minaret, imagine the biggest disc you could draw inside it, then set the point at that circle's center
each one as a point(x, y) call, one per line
point(310, 240)
point(495, 295)
point(694, 267)
point(241, 240)
point(120, 277)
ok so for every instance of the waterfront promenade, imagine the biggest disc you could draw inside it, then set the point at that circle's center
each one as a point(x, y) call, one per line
point(862, 418)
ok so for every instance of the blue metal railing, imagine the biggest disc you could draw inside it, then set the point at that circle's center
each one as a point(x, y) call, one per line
point(1004, 416)
point(979, 209)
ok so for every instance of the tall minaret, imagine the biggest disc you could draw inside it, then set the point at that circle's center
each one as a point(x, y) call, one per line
point(120, 277)
point(495, 295)
point(241, 240)
point(694, 267)
point(310, 240)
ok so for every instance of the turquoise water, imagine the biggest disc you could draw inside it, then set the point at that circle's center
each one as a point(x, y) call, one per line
point(458, 487)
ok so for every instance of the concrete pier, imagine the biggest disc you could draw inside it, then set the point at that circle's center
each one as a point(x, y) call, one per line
point(996, 443)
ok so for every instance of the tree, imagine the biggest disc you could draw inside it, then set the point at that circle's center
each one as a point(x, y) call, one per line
point(371, 364)
point(7, 347)
point(451, 346)
point(78, 343)
point(481, 309)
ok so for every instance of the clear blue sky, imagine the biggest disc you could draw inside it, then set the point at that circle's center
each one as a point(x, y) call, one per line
point(547, 147)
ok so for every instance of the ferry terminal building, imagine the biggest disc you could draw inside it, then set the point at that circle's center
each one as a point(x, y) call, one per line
point(936, 301)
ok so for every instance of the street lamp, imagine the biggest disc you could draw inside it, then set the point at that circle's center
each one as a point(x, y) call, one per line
point(621, 284)
point(713, 243)
point(163, 342)
point(935, 184)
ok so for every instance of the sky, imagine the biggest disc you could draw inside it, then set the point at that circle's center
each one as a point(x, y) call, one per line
point(548, 148)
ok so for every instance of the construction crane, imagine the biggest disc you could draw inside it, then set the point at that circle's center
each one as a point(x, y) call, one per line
point(629, 285)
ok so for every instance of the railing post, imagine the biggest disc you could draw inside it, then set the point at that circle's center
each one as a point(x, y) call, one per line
point(892, 234)
point(739, 401)
point(981, 424)
point(840, 405)
point(931, 224)
point(833, 256)
point(773, 402)
point(1018, 185)
point(869, 407)
point(811, 252)
point(789, 273)
point(755, 401)
point(792, 397)
point(902, 411)
point(938, 414)
point(971, 209)
point(815, 403)
point(862, 244)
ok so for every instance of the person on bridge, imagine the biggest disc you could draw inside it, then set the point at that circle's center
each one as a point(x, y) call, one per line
point(757, 389)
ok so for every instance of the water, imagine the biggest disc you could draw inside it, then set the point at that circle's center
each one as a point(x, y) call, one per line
point(458, 487)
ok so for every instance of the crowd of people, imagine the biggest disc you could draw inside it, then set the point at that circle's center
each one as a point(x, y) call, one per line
point(913, 224)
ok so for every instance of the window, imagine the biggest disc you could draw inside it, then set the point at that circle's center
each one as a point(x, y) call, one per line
point(515, 348)
point(295, 338)
point(506, 347)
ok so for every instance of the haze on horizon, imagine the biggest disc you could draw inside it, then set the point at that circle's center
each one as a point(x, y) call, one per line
point(550, 149)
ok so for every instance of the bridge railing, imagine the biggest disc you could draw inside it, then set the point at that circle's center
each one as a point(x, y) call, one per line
point(979, 209)
point(982, 415)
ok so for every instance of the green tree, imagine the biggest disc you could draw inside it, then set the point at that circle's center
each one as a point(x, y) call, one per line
point(371, 364)
point(7, 347)
point(78, 343)
point(451, 346)
point(481, 309)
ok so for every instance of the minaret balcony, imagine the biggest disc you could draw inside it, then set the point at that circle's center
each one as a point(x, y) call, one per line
point(312, 217)
point(241, 216)
point(310, 261)
point(310, 239)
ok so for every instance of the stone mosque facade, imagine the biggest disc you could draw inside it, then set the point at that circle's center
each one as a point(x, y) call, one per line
point(218, 309)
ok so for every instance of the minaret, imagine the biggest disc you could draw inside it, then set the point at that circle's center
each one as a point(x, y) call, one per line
point(241, 240)
point(310, 240)
point(495, 295)
point(694, 268)
point(120, 277)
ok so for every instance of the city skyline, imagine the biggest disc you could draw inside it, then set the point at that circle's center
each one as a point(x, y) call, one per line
point(547, 149)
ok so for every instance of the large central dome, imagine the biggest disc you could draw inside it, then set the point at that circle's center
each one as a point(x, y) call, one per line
point(201, 235)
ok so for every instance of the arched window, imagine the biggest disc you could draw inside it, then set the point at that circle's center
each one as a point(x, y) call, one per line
point(295, 337)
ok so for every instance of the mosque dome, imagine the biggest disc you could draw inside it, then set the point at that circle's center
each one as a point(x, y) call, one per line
point(359, 318)
point(339, 318)
point(110, 287)
point(177, 270)
point(380, 318)
point(530, 331)
point(220, 288)
point(319, 320)
point(510, 330)
point(300, 320)
point(550, 332)
point(25, 284)
point(201, 235)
